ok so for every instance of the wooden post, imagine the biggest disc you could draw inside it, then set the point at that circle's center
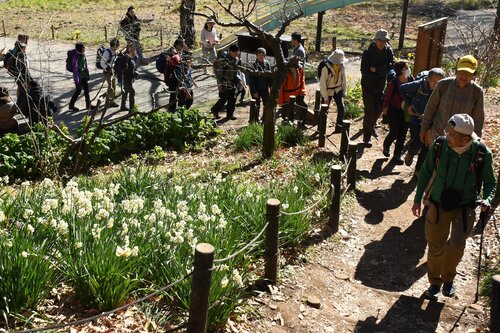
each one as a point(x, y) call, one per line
point(344, 139)
point(495, 304)
point(105, 33)
point(496, 26)
point(161, 36)
point(52, 29)
point(272, 239)
point(319, 29)
point(334, 43)
point(317, 105)
point(403, 24)
point(3, 27)
point(254, 112)
point(291, 108)
point(334, 214)
point(200, 288)
point(323, 115)
point(351, 167)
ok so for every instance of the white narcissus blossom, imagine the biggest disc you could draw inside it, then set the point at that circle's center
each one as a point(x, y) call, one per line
point(111, 223)
point(296, 189)
point(25, 183)
point(285, 206)
point(317, 177)
point(126, 251)
point(113, 189)
point(102, 214)
point(96, 231)
point(2, 216)
point(133, 206)
point(318, 213)
point(202, 208)
point(62, 228)
point(178, 238)
point(224, 282)
point(178, 189)
point(25, 254)
point(30, 228)
point(222, 223)
point(124, 229)
point(237, 278)
point(27, 213)
point(158, 204)
point(49, 205)
point(4, 180)
point(204, 218)
point(215, 209)
point(78, 245)
point(152, 218)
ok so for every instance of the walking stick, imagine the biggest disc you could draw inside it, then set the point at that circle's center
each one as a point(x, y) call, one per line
point(483, 216)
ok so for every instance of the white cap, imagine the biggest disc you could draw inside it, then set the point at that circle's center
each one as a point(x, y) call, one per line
point(463, 123)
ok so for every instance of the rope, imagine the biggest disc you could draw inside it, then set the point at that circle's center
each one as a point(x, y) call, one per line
point(347, 167)
point(251, 243)
point(326, 137)
point(107, 313)
point(306, 209)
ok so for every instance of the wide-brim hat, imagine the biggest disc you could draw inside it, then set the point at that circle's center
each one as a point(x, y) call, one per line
point(337, 57)
point(382, 34)
point(210, 20)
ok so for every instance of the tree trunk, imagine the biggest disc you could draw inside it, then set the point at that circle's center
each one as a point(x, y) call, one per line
point(497, 20)
point(188, 31)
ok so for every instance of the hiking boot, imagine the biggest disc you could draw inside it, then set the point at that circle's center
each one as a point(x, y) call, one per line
point(231, 117)
point(368, 144)
point(386, 151)
point(448, 289)
point(432, 292)
point(73, 108)
point(113, 105)
point(123, 108)
point(397, 160)
point(215, 114)
point(409, 159)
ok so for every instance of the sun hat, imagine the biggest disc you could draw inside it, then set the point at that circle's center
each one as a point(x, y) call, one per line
point(210, 20)
point(467, 63)
point(337, 57)
point(261, 50)
point(463, 123)
point(382, 34)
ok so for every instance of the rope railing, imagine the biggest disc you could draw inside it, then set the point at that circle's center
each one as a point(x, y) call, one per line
point(248, 245)
point(305, 210)
point(107, 313)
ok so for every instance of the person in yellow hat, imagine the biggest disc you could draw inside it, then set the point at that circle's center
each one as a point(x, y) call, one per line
point(459, 94)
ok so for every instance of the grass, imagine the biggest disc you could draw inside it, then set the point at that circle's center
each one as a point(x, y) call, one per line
point(251, 136)
point(116, 237)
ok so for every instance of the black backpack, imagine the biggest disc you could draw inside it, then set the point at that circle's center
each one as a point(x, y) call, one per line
point(120, 65)
point(69, 58)
point(161, 62)
point(322, 64)
point(98, 58)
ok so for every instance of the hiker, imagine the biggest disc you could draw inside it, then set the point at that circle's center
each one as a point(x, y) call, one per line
point(37, 105)
point(459, 94)
point(375, 64)
point(415, 95)
point(259, 85)
point(131, 27)
point(126, 71)
point(227, 80)
point(333, 84)
point(80, 77)
point(209, 40)
point(8, 109)
point(452, 173)
point(173, 73)
point(295, 81)
point(107, 62)
point(185, 91)
point(393, 112)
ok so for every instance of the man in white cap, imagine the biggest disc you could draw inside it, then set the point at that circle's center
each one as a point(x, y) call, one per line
point(459, 94)
point(375, 64)
point(451, 176)
point(333, 84)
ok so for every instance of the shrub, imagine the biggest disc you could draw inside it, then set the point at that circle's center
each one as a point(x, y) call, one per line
point(290, 135)
point(252, 135)
point(354, 102)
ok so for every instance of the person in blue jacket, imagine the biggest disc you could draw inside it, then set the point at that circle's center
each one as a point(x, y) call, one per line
point(416, 94)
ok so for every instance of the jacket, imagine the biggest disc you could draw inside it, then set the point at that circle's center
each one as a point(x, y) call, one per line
point(7, 111)
point(448, 99)
point(131, 26)
point(226, 71)
point(294, 85)
point(260, 83)
point(329, 83)
point(79, 65)
point(382, 61)
point(454, 172)
point(416, 94)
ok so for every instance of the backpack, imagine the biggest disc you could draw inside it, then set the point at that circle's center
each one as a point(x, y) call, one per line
point(476, 166)
point(161, 62)
point(69, 58)
point(322, 64)
point(9, 63)
point(98, 58)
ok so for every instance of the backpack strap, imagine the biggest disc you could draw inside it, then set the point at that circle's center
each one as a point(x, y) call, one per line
point(438, 147)
point(477, 165)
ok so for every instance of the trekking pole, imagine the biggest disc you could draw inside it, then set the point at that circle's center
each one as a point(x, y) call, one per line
point(483, 216)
